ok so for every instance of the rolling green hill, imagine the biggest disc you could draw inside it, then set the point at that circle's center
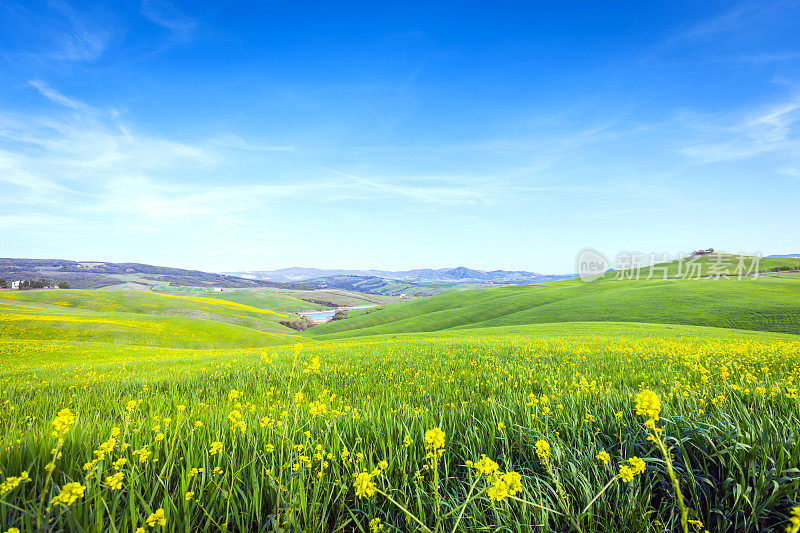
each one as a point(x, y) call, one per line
point(148, 303)
point(764, 304)
point(35, 322)
point(711, 265)
point(258, 298)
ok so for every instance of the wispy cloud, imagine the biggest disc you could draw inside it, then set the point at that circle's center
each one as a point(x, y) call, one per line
point(766, 130)
point(83, 38)
point(56, 31)
point(230, 140)
point(166, 15)
point(85, 162)
point(793, 172)
point(742, 34)
point(55, 96)
point(437, 194)
point(735, 19)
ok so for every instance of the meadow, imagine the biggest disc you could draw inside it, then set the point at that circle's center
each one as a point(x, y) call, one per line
point(582, 426)
point(763, 304)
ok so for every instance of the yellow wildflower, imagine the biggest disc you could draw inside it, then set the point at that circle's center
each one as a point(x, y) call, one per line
point(486, 466)
point(434, 438)
point(794, 521)
point(157, 518)
point(637, 465)
point(12, 482)
point(69, 493)
point(648, 403)
point(543, 449)
point(114, 482)
point(364, 485)
point(62, 423)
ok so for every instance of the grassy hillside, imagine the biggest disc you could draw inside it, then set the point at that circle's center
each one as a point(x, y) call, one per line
point(258, 298)
point(710, 265)
point(147, 303)
point(29, 321)
point(766, 304)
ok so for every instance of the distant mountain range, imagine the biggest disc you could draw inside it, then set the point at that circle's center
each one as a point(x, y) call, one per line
point(419, 275)
point(405, 283)
point(790, 256)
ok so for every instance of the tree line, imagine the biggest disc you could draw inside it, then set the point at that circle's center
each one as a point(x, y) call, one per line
point(36, 283)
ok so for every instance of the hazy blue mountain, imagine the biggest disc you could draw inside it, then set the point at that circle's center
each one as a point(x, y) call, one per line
point(453, 275)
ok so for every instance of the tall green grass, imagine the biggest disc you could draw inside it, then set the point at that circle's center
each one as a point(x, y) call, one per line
point(730, 416)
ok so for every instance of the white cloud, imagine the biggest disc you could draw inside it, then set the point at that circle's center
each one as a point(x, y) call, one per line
point(766, 130)
point(86, 163)
point(793, 172)
point(55, 96)
point(167, 16)
point(229, 140)
point(470, 194)
point(83, 37)
point(743, 34)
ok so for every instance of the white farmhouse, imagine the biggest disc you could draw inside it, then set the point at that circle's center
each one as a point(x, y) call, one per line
point(15, 284)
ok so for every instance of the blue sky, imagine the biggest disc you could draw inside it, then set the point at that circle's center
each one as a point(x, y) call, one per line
point(258, 135)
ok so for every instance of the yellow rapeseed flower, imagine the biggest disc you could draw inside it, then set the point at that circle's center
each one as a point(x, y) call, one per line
point(637, 465)
point(543, 449)
point(364, 485)
point(11, 482)
point(603, 456)
point(648, 403)
point(434, 438)
point(157, 518)
point(62, 423)
point(69, 493)
point(486, 466)
point(794, 521)
point(513, 481)
point(114, 482)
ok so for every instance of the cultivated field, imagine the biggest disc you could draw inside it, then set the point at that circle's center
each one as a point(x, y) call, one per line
point(571, 426)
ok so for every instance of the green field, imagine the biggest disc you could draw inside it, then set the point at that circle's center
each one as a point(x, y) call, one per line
point(137, 318)
point(768, 304)
point(543, 380)
point(284, 300)
point(259, 298)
